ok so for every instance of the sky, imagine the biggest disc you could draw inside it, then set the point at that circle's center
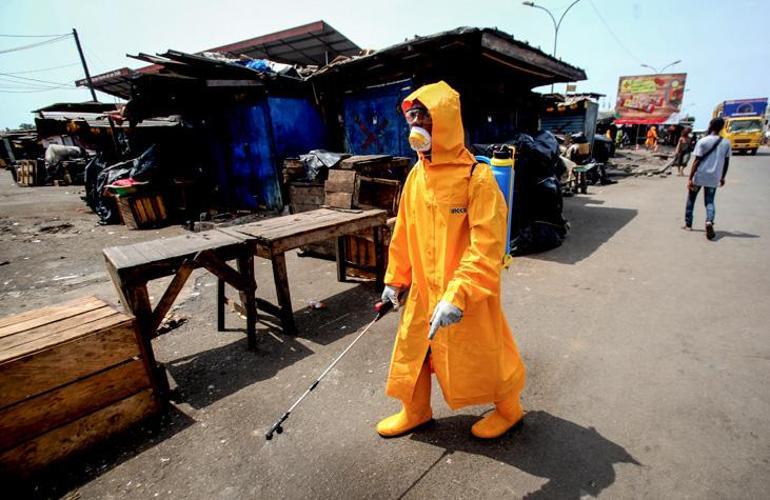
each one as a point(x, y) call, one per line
point(722, 45)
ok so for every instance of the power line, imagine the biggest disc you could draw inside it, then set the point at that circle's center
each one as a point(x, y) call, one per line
point(617, 39)
point(33, 45)
point(40, 70)
point(32, 36)
point(4, 91)
point(9, 75)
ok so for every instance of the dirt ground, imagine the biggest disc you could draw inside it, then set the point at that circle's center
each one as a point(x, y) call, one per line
point(646, 347)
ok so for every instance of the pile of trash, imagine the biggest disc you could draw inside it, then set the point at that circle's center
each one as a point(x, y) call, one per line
point(641, 162)
point(99, 177)
point(537, 223)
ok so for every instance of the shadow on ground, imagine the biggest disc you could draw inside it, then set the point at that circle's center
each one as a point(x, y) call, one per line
point(62, 477)
point(208, 376)
point(575, 460)
point(591, 225)
point(728, 234)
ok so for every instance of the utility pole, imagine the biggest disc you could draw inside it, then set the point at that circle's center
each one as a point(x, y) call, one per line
point(93, 92)
point(85, 66)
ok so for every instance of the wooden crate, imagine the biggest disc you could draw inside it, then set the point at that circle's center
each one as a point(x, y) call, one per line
point(142, 211)
point(29, 173)
point(379, 193)
point(359, 250)
point(341, 188)
point(70, 375)
point(304, 196)
point(379, 166)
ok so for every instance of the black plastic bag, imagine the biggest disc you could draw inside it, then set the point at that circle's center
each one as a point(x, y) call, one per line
point(146, 165)
point(318, 162)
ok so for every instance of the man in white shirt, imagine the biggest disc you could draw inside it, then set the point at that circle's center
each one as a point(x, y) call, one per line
point(712, 156)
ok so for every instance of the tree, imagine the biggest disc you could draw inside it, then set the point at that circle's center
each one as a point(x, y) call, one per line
point(26, 126)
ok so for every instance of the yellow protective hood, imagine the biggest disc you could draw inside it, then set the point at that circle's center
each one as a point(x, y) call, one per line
point(448, 136)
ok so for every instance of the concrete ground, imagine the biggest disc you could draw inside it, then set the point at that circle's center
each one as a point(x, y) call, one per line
point(647, 348)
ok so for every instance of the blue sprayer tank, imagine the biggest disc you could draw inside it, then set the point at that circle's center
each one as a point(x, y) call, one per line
point(502, 167)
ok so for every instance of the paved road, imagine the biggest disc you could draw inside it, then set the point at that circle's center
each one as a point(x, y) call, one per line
point(648, 353)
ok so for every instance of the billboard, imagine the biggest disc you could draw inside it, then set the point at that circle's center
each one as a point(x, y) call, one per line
point(649, 99)
point(744, 107)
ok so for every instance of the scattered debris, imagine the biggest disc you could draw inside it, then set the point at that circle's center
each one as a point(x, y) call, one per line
point(171, 322)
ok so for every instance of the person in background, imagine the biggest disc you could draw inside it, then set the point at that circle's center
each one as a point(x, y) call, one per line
point(620, 137)
point(712, 157)
point(682, 152)
point(652, 138)
point(447, 249)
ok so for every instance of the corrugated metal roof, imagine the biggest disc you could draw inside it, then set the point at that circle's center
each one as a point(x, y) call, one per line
point(310, 44)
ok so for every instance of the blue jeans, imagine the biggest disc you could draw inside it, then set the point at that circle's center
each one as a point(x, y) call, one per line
point(708, 200)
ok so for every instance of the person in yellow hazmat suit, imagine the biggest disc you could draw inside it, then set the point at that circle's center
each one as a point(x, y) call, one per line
point(447, 249)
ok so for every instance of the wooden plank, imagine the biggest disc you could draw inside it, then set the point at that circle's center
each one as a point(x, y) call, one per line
point(63, 363)
point(325, 233)
point(57, 311)
point(80, 434)
point(339, 200)
point(171, 293)
point(60, 331)
point(358, 160)
point(277, 228)
point(32, 417)
point(340, 181)
point(149, 252)
point(220, 269)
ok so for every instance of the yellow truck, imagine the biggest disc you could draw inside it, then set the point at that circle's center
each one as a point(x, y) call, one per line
point(744, 123)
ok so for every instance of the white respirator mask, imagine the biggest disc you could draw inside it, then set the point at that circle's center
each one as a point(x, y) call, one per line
point(419, 139)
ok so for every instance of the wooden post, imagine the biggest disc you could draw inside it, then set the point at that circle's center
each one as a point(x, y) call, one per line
point(379, 259)
point(138, 303)
point(220, 304)
point(248, 299)
point(342, 268)
point(284, 295)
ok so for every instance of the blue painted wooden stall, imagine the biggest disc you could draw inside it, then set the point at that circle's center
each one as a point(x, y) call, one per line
point(250, 142)
point(373, 121)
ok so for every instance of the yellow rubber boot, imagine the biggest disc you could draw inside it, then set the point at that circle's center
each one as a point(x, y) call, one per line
point(507, 414)
point(413, 413)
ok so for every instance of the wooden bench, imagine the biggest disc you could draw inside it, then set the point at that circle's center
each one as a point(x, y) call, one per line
point(70, 375)
point(133, 266)
point(272, 238)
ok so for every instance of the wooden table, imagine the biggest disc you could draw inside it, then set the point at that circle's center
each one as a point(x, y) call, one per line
point(131, 267)
point(272, 238)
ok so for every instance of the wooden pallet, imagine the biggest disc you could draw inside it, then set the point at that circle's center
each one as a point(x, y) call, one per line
point(70, 375)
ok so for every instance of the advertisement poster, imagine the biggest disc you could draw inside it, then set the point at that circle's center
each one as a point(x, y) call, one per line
point(745, 107)
point(649, 99)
